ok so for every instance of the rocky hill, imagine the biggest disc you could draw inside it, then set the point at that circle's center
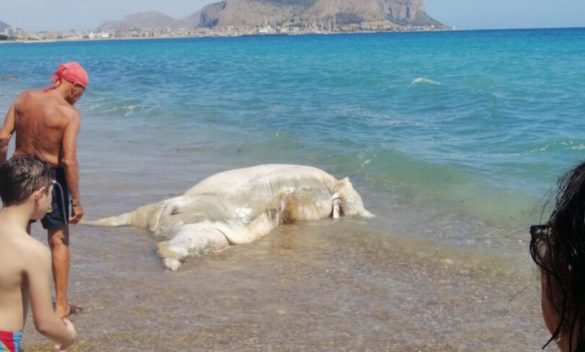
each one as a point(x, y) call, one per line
point(208, 17)
point(290, 15)
point(238, 13)
point(142, 21)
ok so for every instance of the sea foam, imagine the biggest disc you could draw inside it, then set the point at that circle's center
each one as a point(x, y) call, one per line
point(424, 80)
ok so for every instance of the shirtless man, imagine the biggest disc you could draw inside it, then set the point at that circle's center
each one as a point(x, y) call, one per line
point(46, 125)
point(25, 189)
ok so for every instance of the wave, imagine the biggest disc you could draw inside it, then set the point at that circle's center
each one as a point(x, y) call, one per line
point(424, 80)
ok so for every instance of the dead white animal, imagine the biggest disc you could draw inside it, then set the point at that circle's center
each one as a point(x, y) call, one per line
point(240, 206)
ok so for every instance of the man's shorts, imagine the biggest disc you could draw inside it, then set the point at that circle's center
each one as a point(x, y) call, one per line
point(58, 217)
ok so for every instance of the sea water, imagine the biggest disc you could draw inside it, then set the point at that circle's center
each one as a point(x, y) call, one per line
point(479, 123)
point(454, 139)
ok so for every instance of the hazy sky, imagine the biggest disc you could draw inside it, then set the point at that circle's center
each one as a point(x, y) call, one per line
point(35, 15)
point(478, 14)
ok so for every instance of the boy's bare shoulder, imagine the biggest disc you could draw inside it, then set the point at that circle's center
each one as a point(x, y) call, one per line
point(33, 250)
point(22, 252)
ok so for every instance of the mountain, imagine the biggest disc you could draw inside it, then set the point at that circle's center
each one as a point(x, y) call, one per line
point(207, 17)
point(142, 21)
point(4, 26)
point(254, 13)
point(301, 15)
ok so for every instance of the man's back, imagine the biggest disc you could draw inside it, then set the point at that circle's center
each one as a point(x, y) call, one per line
point(40, 119)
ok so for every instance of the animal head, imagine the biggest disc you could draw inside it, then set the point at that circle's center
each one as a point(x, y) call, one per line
point(351, 202)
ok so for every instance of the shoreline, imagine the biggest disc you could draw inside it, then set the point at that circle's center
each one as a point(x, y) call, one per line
point(220, 35)
point(224, 35)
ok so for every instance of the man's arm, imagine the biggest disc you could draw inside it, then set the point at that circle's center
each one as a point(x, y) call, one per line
point(46, 320)
point(71, 165)
point(6, 133)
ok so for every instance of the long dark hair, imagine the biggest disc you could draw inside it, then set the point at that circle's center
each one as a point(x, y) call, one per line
point(560, 253)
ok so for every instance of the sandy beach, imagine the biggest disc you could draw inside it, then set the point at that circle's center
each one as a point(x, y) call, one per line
point(446, 149)
point(324, 286)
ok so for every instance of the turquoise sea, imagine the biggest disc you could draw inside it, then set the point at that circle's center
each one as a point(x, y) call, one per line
point(488, 119)
point(455, 138)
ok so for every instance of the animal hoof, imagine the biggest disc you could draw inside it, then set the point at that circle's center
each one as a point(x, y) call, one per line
point(172, 264)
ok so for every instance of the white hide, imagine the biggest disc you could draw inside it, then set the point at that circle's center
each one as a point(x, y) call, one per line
point(240, 206)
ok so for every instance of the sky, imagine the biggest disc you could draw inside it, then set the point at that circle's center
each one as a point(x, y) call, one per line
point(60, 15)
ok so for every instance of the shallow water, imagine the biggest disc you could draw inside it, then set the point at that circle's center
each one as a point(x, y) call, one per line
point(347, 285)
point(314, 286)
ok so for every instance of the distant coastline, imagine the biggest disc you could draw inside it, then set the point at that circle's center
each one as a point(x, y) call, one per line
point(235, 18)
point(81, 39)
point(215, 34)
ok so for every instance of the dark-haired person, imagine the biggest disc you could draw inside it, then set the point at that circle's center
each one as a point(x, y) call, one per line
point(46, 125)
point(25, 189)
point(558, 248)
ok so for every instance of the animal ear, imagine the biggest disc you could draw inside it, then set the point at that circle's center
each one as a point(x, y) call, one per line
point(342, 184)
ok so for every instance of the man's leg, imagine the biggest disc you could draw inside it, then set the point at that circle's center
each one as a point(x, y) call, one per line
point(59, 243)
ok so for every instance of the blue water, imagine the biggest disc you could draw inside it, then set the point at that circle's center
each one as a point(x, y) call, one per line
point(477, 124)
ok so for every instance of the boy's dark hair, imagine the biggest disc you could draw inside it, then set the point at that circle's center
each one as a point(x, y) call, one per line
point(21, 176)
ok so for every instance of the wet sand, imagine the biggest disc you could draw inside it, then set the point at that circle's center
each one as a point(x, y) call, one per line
point(322, 286)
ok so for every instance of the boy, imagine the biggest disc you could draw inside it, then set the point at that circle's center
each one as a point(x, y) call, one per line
point(25, 190)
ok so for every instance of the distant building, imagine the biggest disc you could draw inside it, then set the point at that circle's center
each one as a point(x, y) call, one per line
point(15, 33)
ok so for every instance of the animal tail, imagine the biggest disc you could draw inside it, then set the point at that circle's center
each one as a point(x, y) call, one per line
point(112, 221)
